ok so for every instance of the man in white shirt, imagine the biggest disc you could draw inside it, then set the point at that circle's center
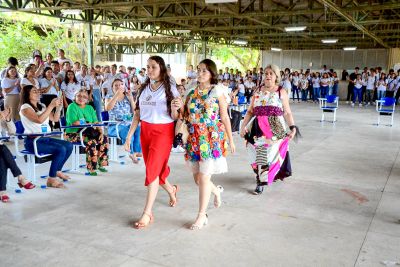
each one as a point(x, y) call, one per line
point(141, 76)
point(83, 77)
point(191, 73)
point(249, 87)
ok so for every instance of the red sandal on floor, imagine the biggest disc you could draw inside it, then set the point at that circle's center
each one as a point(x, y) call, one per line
point(28, 185)
point(4, 198)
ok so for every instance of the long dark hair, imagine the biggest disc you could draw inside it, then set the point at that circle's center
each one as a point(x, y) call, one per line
point(165, 80)
point(26, 90)
point(45, 70)
point(66, 79)
point(212, 68)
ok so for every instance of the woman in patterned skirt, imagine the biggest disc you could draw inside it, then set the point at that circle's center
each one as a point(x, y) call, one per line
point(267, 133)
point(209, 128)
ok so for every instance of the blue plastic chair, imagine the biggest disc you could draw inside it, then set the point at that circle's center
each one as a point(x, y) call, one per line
point(75, 163)
point(32, 159)
point(386, 107)
point(329, 104)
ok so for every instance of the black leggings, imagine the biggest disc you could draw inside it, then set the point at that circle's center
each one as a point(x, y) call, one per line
point(7, 162)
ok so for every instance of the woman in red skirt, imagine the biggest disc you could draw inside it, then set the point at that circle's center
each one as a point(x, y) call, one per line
point(157, 107)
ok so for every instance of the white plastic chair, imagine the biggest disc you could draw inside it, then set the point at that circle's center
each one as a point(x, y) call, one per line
point(386, 107)
point(329, 104)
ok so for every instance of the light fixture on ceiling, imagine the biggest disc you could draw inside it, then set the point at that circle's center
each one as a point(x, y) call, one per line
point(182, 31)
point(350, 48)
point(71, 11)
point(295, 28)
point(240, 42)
point(276, 49)
point(329, 41)
point(220, 1)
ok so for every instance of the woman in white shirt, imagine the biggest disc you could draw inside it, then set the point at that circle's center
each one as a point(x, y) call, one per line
point(335, 83)
point(381, 86)
point(95, 83)
point(49, 86)
point(324, 82)
point(69, 87)
point(316, 86)
point(369, 92)
point(357, 90)
point(34, 117)
point(157, 108)
point(29, 77)
point(11, 88)
point(295, 85)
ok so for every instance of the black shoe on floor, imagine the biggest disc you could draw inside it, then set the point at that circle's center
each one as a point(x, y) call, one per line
point(259, 189)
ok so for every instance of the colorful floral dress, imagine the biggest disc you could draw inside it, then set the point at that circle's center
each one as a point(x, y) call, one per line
point(267, 141)
point(206, 147)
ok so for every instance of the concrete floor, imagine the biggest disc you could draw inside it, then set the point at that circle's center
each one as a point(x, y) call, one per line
point(340, 208)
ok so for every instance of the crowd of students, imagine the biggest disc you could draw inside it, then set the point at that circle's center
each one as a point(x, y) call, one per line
point(55, 88)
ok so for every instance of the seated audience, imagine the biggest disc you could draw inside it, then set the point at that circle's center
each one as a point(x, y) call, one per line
point(78, 113)
point(120, 104)
point(34, 117)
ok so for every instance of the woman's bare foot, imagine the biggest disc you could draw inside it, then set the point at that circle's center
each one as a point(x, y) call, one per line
point(173, 199)
point(63, 176)
point(217, 197)
point(201, 221)
point(22, 180)
point(144, 221)
point(53, 182)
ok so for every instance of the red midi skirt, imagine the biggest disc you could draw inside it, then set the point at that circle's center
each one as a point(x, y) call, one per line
point(156, 141)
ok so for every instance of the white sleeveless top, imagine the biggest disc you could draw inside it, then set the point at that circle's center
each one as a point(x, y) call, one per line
point(30, 126)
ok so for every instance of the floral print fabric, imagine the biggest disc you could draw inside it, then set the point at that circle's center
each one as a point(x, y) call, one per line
point(206, 133)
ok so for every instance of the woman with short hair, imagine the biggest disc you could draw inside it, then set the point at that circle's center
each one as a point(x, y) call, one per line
point(96, 144)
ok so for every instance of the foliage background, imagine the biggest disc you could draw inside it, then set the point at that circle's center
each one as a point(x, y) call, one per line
point(22, 33)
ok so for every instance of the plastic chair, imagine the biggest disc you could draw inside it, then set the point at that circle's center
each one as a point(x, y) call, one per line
point(114, 139)
point(76, 151)
point(32, 159)
point(386, 107)
point(329, 104)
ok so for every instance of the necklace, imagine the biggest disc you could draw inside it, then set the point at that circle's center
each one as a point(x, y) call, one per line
point(155, 90)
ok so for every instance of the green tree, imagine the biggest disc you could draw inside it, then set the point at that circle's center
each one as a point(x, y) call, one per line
point(236, 57)
point(20, 38)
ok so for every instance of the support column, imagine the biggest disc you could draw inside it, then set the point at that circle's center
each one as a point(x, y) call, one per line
point(394, 57)
point(204, 49)
point(89, 44)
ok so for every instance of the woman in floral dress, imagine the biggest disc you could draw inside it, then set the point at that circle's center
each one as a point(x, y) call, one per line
point(209, 129)
point(267, 134)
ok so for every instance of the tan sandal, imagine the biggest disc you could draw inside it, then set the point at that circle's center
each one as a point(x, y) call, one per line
point(174, 192)
point(63, 176)
point(140, 225)
point(55, 184)
point(199, 226)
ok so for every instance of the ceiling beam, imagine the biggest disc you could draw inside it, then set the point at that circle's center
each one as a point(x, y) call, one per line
point(352, 21)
